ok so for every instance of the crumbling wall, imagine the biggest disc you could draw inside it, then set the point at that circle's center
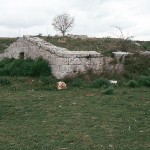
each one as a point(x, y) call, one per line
point(62, 61)
point(1, 56)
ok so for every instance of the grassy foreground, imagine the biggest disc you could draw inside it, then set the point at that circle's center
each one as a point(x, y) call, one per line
point(74, 119)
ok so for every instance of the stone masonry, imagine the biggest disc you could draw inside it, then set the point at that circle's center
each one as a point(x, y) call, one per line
point(62, 61)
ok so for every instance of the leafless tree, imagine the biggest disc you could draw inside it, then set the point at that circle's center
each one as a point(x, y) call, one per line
point(122, 36)
point(125, 41)
point(63, 23)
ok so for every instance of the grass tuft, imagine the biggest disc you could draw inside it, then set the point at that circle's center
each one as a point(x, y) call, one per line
point(109, 91)
point(100, 82)
point(132, 84)
point(4, 81)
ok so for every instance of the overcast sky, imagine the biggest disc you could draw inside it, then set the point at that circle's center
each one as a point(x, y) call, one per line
point(92, 17)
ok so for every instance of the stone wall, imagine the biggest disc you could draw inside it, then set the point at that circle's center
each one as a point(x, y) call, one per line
point(1, 56)
point(82, 37)
point(62, 61)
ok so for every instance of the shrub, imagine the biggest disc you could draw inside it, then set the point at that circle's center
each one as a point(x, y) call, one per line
point(146, 45)
point(133, 83)
point(137, 64)
point(109, 90)
point(40, 67)
point(77, 82)
point(98, 83)
point(28, 67)
point(5, 61)
point(144, 80)
point(4, 81)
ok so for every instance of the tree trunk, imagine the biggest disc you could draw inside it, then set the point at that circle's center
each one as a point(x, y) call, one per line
point(63, 33)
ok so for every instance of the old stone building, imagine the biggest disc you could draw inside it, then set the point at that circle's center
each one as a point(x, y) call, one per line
point(62, 61)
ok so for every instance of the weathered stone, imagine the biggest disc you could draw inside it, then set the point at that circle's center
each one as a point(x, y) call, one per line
point(83, 37)
point(76, 61)
point(1, 56)
point(61, 85)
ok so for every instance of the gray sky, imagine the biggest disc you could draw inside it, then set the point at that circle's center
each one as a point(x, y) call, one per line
point(92, 17)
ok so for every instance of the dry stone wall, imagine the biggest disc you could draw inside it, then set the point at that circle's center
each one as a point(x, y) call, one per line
point(62, 61)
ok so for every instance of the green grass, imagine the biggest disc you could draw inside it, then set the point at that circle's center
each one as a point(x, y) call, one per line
point(74, 119)
point(5, 43)
point(104, 45)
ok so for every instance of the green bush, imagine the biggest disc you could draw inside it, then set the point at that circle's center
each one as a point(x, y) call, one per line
point(109, 90)
point(137, 64)
point(28, 67)
point(4, 81)
point(78, 82)
point(132, 83)
point(40, 67)
point(146, 45)
point(98, 83)
point(5, 61)
point(144, 80)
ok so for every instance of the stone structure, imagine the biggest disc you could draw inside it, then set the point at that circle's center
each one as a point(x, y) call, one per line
point(62, 61)
point(82, 37)
point(120, 56)
point(1, 56)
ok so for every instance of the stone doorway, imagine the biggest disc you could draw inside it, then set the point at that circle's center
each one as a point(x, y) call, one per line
point(21, 55)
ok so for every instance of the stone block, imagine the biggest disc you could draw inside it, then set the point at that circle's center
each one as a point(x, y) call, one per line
point(74, 61)
point(61, 61)
point(96, 60)
point(85, 61)
point(64, 68)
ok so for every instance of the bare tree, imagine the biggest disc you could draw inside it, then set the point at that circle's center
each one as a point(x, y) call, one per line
point(122, 36)
point(124, 41)
point(63, 23)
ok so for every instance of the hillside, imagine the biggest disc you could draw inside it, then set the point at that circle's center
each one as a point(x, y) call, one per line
point(104, 45)
point(5, 42)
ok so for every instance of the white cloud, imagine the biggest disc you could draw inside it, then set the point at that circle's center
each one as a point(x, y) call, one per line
point(92, 17)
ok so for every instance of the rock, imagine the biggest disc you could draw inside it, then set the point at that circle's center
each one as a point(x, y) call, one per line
point(113, 81)
point(61, 85)
point(137, 44)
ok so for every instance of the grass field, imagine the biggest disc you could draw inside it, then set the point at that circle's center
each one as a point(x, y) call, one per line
point(32, 118)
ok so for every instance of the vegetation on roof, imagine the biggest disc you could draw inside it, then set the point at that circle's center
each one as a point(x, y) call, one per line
point(104, 45)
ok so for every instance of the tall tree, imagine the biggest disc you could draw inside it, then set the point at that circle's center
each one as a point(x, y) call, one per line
point(63, 23)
